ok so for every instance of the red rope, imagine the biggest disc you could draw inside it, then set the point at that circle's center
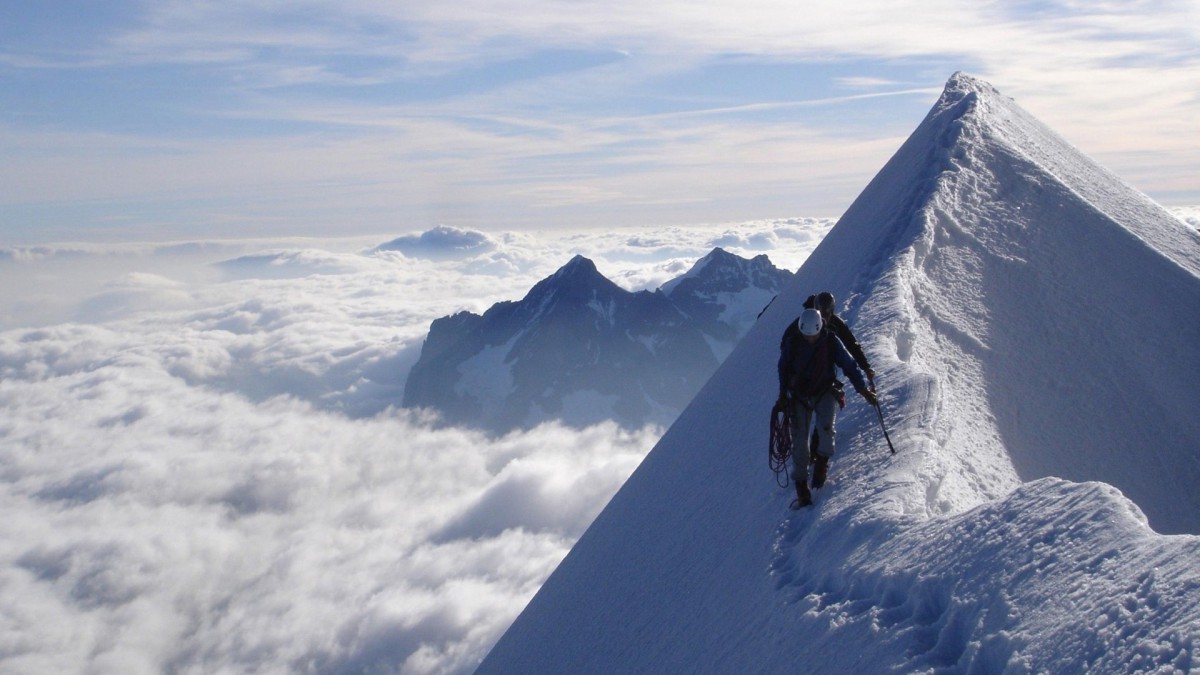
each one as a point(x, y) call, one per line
point(781, 442)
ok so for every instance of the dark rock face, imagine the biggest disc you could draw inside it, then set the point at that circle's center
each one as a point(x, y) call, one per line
point(580, 349)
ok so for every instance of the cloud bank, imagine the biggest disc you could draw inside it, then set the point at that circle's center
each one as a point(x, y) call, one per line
point(172, 527)
point(202, 467)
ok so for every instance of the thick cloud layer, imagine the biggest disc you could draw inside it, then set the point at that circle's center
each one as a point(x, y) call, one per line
point(203, 468)
point(152, 524)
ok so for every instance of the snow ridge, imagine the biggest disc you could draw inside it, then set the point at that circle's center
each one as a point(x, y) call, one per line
point(1027, 314)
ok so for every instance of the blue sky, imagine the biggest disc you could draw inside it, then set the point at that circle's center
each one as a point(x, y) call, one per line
point(178, 120)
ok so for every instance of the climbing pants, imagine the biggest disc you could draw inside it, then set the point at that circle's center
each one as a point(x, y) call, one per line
point(824, 409)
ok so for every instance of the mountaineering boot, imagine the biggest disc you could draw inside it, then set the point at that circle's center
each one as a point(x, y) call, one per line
point(803, 496)
point(820, 470)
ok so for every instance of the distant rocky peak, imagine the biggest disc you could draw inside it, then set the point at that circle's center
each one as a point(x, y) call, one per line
point(717, 255)
point(719, 262)
point(722, 270)
point(577, 282)
point(578, 267)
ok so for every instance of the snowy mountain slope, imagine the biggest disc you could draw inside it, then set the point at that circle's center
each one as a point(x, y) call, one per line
point(1029, 315)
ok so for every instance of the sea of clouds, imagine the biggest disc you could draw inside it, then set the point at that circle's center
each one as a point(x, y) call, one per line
point(204, 466)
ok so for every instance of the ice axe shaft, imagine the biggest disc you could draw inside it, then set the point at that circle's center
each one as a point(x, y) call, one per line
point(879, 411)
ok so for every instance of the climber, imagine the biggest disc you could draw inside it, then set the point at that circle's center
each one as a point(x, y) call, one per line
point(824, 303)
point(808, 387)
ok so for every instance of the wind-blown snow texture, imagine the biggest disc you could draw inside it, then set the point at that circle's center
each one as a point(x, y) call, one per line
point(1029, 315)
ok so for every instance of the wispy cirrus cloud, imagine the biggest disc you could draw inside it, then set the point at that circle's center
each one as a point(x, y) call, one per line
point(346, 115)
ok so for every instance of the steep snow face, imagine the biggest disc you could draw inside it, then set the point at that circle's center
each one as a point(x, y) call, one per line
point(1029, 315)
point(1070, 305)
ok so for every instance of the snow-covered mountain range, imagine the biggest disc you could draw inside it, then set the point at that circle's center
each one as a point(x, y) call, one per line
point(1033, 321)
point(580, 349)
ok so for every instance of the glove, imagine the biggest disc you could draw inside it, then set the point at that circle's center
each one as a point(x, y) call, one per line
point(869, 396)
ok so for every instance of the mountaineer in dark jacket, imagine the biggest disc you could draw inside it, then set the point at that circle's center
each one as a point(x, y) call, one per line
point(808, 387)
point(824, 303)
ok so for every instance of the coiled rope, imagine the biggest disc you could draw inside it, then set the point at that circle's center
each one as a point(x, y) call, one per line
point(781, 442)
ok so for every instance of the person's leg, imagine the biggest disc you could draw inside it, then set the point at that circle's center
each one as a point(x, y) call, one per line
point(826, 411)
point(826, 414)
point(801, 423)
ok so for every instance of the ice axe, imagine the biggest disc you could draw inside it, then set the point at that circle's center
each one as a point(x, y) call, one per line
point(879, 411)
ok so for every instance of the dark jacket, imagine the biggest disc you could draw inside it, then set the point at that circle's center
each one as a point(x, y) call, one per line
point(807, 370)
point(843, 333)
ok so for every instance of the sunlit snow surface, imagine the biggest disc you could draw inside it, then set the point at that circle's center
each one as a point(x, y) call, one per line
point(1033, 323)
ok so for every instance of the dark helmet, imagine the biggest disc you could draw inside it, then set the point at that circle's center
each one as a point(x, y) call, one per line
point(825, 303)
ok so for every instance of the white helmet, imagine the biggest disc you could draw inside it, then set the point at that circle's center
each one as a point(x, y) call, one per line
point(810, 322)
